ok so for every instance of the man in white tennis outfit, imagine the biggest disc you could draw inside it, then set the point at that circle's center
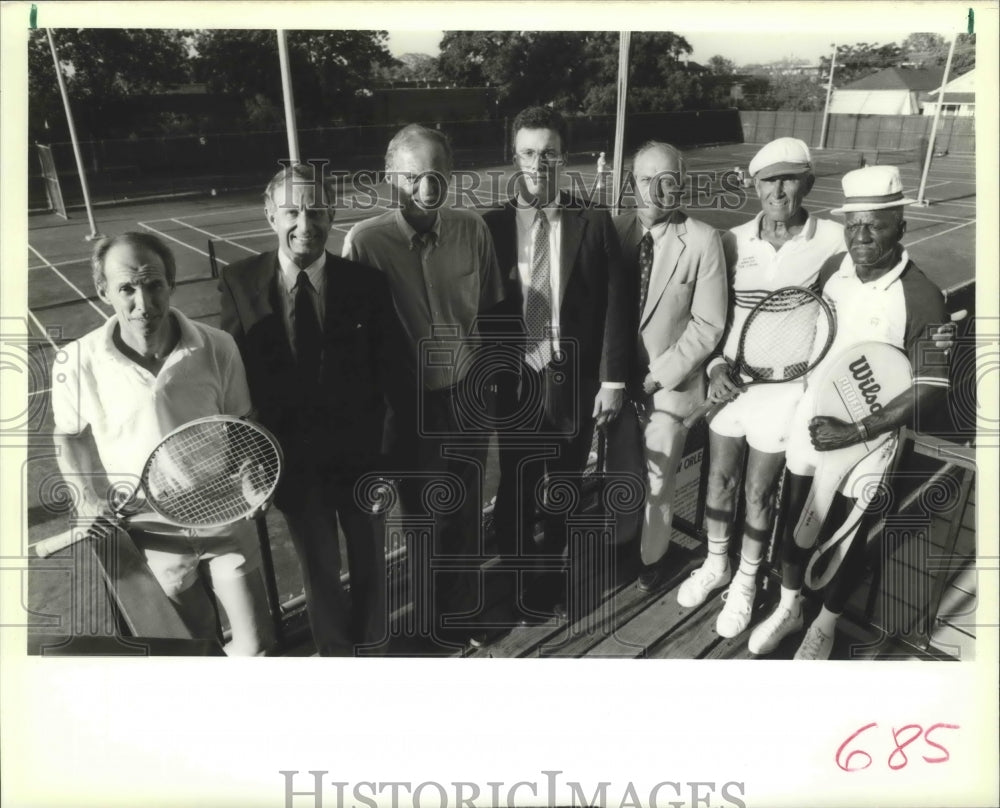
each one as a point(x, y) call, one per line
point(784, 245)
point(122, 388)
point(879, 295)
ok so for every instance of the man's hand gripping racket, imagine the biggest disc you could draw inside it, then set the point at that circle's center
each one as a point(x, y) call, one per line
point(206, 474)
point(784, 337)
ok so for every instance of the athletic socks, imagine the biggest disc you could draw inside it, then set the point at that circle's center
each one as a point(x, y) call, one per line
point(747, 572)
point(826, 620)
point(718, 555)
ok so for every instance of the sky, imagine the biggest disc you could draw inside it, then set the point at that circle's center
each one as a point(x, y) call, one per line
point(740, 48)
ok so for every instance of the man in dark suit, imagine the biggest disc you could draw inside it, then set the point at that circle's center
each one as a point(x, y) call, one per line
point(677, 265)
point(318, 334)
point(560, 261)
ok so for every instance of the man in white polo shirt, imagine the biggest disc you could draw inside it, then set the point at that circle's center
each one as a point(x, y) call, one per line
point(782, 246)
point(125, 386)
point(879, 295)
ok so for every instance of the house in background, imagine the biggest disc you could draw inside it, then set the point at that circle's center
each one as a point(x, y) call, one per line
point(893, 91)
point(959, 97)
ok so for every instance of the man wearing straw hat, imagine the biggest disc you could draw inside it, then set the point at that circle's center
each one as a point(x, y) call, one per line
point(879, 295)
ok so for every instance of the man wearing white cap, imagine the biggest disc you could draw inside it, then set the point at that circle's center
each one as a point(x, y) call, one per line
point(879, 295)
point(782, 246)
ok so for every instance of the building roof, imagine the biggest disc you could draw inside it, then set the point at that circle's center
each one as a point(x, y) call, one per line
point(955, 98)
point(966, 83)
point(900, 78)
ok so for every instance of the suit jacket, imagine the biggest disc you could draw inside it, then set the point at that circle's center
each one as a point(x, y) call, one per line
point(594, 298)
point(334, 428)
point(685, 310)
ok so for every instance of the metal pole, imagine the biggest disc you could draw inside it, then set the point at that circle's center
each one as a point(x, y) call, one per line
point(286, 87)
point(94, 233)
point(624, 42)
point(937, 115)
point(829, 94)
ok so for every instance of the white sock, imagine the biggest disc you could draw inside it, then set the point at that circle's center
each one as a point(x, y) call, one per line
point(718, 554)
point(826, 620)
point(790, 599)
point(747, 571)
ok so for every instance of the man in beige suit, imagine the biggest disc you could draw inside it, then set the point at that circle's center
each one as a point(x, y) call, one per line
point(678, 271)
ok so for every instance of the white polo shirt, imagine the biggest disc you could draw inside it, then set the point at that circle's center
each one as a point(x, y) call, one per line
point(900, 308)
point(128, 409)
point(757, 268)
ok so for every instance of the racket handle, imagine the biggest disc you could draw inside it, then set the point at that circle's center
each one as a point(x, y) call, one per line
point(54, 544)
point(698, 413)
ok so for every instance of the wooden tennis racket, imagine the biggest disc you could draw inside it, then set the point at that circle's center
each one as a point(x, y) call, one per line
point(784, 337)
point(205, 474)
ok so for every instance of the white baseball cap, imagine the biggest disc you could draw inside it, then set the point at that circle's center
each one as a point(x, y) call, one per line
point(786, 155)
point(872, 188)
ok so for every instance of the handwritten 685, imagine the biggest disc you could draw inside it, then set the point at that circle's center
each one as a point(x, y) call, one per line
point(901, 738)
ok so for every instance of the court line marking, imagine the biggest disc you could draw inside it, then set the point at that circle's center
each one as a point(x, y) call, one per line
point(72, 285)
point(182, 243)
point(60, 263)
point(43, 329)
point(935, 235)
point(211, 213)
point(214, 237)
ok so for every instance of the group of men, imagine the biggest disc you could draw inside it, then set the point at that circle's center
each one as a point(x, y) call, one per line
point(543, 318)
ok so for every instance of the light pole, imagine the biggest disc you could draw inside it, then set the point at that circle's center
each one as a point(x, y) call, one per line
point(829, 94)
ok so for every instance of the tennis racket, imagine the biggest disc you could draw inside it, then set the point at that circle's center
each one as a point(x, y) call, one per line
point(205, 474)
point(856, 382)
point(784, 337)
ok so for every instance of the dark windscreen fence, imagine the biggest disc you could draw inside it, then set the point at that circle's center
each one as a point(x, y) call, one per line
point(137, 168)
point(863, 133)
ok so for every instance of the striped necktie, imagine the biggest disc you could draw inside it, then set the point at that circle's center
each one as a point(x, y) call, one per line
point(538, 302)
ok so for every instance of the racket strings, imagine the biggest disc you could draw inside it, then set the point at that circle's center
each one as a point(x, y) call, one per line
point(779, 336)
point(212, 473)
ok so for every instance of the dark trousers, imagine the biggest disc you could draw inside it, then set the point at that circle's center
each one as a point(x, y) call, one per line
point(440, 490)
point(339, 623)
point(541, 465)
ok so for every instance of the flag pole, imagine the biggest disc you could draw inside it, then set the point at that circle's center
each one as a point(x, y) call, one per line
point(286, 87)
point(624, 42)
point(921, 200)
point(94, 233)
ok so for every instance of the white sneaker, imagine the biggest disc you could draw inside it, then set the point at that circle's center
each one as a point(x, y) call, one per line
point(767, 635)
point(816, 645)
point(735, 615)
point(696, 589)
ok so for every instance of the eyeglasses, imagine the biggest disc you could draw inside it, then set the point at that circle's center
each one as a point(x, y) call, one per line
point(549, 157)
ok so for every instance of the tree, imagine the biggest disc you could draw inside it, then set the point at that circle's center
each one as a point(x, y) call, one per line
point(419, 67)
point(721, 66)
point(329, 69)
point(931, 50)
point(101, 67)
point(526, 67)
point(792, 92)
point(857, 61)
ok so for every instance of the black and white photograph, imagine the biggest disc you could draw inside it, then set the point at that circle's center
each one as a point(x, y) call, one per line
point(638, 355)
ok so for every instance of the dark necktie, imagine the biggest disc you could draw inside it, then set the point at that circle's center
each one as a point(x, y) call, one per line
point(308, 332)
point(645, 269)
point(538, 305)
